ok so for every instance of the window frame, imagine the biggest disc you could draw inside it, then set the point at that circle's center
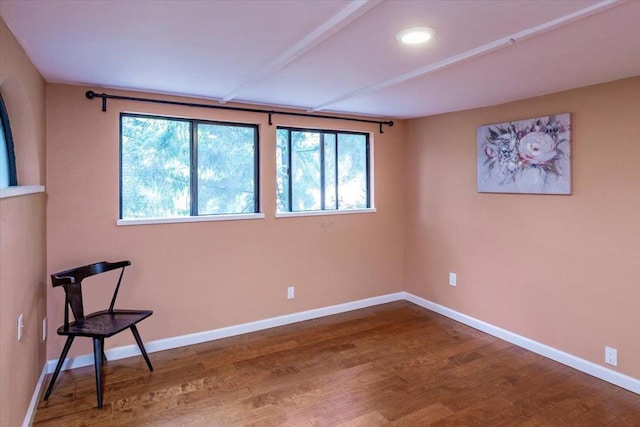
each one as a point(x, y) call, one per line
point(10, 148)
point(323, 210)
point(193, 173)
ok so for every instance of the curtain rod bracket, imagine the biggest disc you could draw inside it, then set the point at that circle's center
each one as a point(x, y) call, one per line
point(270, 121)
point(388, 123)
point(91, 94)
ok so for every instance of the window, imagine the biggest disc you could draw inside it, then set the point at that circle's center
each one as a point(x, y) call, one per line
point(8, 175)
point(321, 170)
point(172, 168)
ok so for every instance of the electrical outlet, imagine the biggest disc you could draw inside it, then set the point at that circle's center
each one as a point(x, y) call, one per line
point(610, 356)
point(20, 326)
point(453, 279)
point(291, 292)
point(44, 329)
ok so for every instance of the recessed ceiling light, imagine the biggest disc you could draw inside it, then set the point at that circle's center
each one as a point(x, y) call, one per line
point(416, 35)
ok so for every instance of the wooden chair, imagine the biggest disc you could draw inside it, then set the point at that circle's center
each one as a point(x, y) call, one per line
point(98, 325)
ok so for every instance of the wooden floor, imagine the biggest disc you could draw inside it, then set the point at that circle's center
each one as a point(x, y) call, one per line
point(393, 364)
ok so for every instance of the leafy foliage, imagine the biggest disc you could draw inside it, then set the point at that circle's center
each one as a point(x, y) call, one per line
point(156, 168)
point(328, 170)
point(226, 176)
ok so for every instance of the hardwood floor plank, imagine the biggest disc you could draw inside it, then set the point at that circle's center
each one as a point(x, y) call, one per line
point(394, 364)
point(370, 419)
point(476, 414)
point(424, 416)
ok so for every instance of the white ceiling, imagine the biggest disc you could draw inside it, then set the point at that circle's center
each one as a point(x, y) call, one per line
point(332, 55)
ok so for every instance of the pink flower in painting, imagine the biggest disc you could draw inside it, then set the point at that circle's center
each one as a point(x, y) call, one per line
point(537, 148)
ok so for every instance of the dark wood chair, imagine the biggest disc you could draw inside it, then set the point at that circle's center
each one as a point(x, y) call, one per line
point(98, 325)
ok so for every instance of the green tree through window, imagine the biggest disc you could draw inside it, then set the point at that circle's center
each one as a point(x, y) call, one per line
point(321, 170)
point(176, 167)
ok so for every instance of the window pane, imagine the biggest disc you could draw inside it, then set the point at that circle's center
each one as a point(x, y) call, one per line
point(155, 168)
point(4, 160)
point(352, 171)
point(305, 170)
point(8, 175)
point(282, 169)
point(226, 169)
point(330, 188)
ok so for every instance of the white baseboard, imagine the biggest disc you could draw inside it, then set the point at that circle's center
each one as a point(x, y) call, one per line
point(31, 410)
point(214, 334)
point(621, 380)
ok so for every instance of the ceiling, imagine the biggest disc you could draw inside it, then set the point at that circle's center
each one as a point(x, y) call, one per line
point(332, 55)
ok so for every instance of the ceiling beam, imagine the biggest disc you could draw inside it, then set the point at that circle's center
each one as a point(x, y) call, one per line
point(352, 11)
point(476, 52)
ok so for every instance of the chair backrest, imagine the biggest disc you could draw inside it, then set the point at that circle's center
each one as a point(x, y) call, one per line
point(72, 279)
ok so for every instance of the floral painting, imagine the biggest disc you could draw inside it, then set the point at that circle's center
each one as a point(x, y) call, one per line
point(526, 156)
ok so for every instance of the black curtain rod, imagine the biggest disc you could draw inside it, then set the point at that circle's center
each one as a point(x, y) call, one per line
point(91, 95)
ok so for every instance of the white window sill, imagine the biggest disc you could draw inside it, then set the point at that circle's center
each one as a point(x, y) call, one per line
point(322, 213)
point(203, 218)
point(20, 190)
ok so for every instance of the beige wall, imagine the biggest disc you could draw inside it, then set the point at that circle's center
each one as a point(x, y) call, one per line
point(22, 235)
point(207, 275)
point(562, 270)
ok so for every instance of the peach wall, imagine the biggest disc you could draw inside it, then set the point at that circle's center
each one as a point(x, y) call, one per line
point(561, 270)
point(22, 235)
point(202, 276)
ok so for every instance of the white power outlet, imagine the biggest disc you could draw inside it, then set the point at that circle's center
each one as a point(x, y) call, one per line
point(453, 279)
point(20, 326)
point(44, 329)
point(610, 356)
point(291, 292)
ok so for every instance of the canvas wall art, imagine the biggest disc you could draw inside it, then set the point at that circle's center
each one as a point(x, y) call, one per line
point(526, 156)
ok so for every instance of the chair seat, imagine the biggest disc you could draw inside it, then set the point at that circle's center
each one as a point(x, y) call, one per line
point(105, 324)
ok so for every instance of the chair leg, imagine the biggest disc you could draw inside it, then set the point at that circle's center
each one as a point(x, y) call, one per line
point(136, 335)
point(104, 356)
point(63, 356)
point(98, 347)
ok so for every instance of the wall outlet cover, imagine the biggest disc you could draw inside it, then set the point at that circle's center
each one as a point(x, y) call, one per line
point(453, 279)
point(611, 356)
